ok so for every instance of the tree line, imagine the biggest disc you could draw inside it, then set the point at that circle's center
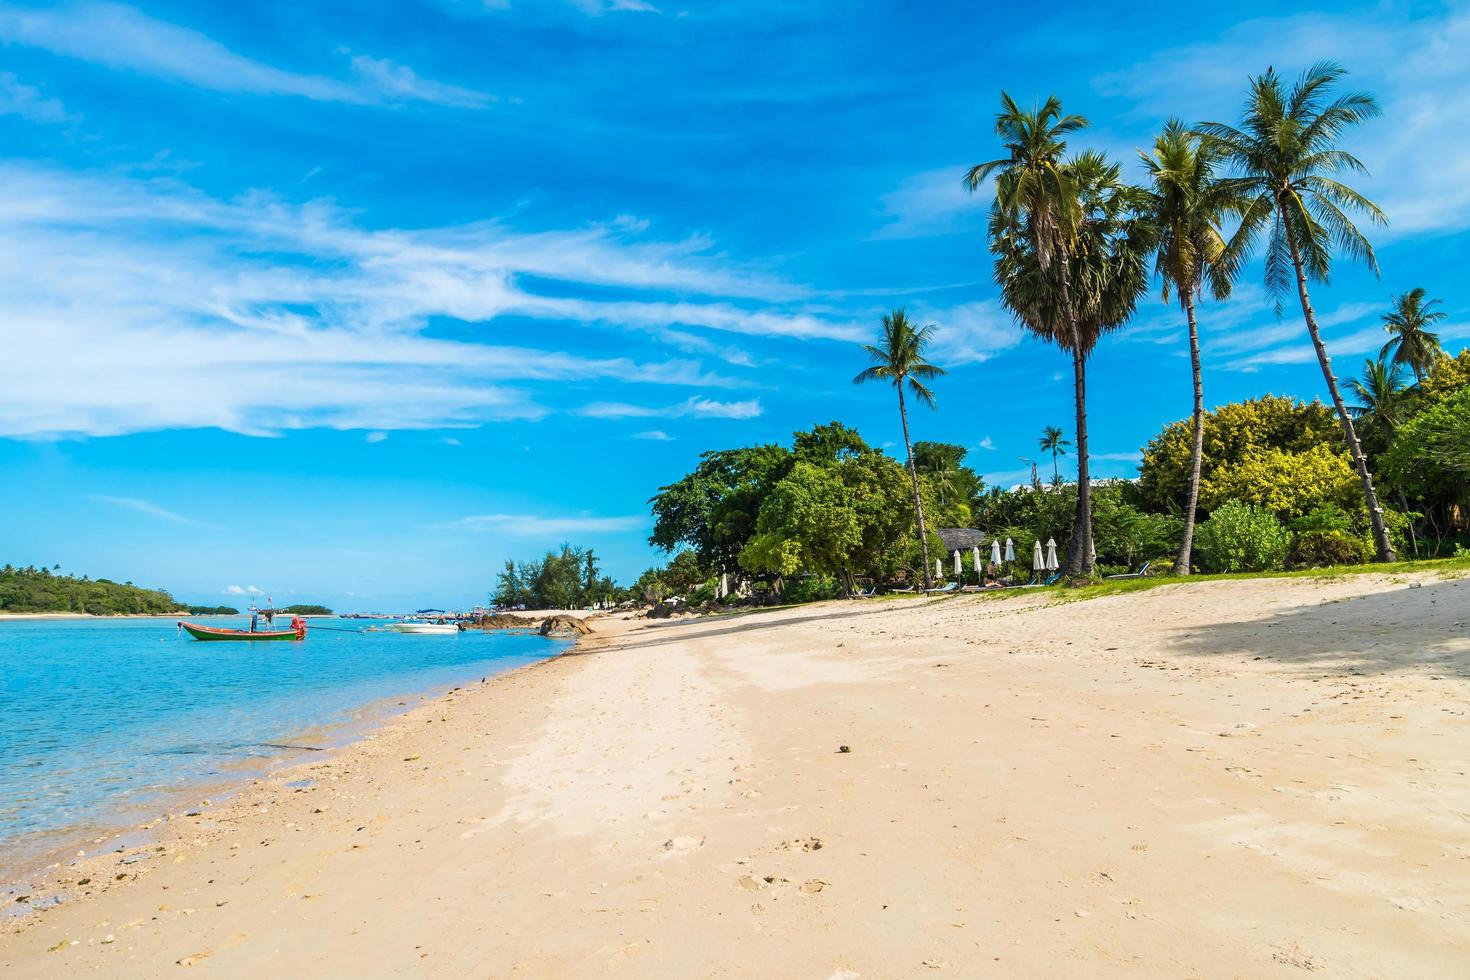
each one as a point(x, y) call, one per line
point(566, 578)
point(43, 590)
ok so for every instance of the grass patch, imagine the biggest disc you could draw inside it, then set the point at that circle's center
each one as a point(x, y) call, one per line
point(1447, 568)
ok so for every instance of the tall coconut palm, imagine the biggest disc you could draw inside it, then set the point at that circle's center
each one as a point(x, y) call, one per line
point(1412, 345)
point(1051, 441)
point(897, 359)
point(1106, 265)
point(1383, 402)
point(1189, 204)
point(1286, 155)
point(1036, 203)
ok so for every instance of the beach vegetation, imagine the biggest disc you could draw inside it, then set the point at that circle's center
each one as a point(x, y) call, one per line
point(1240, 537)
point(43, 590)
point(568, 577)
point(1287, 161)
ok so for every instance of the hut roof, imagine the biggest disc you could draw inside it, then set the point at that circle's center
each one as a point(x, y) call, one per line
point(961, 538)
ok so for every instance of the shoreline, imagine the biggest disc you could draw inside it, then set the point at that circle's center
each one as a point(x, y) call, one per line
point(1216, 779)
point(33, 871)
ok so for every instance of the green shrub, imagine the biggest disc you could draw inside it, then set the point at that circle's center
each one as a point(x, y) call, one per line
point(1314, 549)
point(1242, 538)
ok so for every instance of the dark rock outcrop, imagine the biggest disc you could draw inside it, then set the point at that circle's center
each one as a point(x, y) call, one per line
point(563, 626)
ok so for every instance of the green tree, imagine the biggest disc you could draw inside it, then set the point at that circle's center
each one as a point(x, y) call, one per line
point(1242, 538)
point(1411, 344)
point(1433, 448)
point(806, 524)
point(713, 509)
point(1036, 199)
point(1052, 441)
point(1189, 204)
point(1447, 376)
point(899, 358)
point(1285, 151)
point(1106, 258)
point(1288, 484)
point(1382, 398)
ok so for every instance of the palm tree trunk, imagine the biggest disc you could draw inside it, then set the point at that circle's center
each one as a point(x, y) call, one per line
point(1360, 461)
point(1056, 473)
point(918, 500)
point(1186, 544)
point(1079, 550)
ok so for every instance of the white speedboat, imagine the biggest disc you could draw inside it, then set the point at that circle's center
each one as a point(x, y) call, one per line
point(423, 626)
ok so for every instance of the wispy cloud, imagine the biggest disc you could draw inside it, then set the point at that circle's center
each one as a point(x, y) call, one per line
point(987, 443)
point(694, 407)
point(971, 333)
point(28, 102)
point(654, 435)
point(277, 316)
point(533, 525)
point(145, 507)
point(932, 202)
point(376, 436)
point(241, 590)
point(121, 37)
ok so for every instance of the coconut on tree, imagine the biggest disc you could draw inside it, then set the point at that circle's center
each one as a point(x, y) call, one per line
point(1287, 161)
point(898, 359)
point(1189, 205)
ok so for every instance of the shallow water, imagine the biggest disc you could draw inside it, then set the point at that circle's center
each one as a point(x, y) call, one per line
point(100, 717)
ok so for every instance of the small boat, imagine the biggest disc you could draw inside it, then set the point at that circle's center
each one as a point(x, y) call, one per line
point(217, 633)
point(296, 632)
point(423, 626)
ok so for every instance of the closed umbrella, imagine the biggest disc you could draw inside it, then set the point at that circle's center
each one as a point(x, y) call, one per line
point(976, 550)
point(1051, 555)
point(938, 568)
point(1038, 561)
point(1010, 550)
point(995, 552)
point(957, 563)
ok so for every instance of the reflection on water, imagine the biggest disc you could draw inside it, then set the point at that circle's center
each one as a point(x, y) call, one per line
point(100, 716)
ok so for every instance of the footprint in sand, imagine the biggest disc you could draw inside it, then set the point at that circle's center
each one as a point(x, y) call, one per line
point(682, 845)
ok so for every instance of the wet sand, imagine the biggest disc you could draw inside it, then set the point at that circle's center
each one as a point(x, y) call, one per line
point(1210, 779)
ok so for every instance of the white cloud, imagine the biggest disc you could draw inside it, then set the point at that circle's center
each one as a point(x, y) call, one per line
point(145, 507)
point(986, 443)
point(972, 332)
point(1418, 153)
point(28, 102)
point(694, 407)
point(124, 38)
point(654, 435)
point(530, 525)
point(376, 436)
point(932, 202)
point(242, 590)
point(149, 305)
point(450, 441)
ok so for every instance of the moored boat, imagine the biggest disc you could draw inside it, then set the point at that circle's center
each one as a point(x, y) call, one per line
point(217, 633)
point(420, 626)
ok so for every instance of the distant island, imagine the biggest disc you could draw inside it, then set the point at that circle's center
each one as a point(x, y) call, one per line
point(46, 590)
point(42, 590)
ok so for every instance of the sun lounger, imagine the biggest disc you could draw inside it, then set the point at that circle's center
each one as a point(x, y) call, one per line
point(860, 594)
point(1142, 571)
point(908, 591)
point(945, 590)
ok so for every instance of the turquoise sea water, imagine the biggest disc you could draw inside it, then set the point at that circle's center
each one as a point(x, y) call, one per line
point(98, 718)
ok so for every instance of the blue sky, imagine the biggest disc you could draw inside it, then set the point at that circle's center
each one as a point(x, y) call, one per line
point(350, 302)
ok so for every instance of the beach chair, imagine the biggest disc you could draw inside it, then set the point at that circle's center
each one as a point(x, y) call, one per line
point(860, 594)
point(944, 590)
point(910, 590)
point(1053, 579)
point(1142, 571)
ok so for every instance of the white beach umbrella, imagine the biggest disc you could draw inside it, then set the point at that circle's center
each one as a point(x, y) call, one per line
point(1010, 550)
point(1038, 561)
point(1051, 555)
point(995, 552)
point(957, 563)
point(938, 568)
point(976, 549)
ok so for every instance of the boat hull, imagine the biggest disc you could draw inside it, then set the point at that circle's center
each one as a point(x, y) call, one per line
point(215, 633)
point(443, 628)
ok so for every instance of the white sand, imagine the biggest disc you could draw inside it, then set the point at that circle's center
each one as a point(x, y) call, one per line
point(1210, 779)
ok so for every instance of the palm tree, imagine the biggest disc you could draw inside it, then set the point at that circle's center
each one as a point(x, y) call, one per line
point(1051, 441)
point(1038, 202)
point(1411, 345)
point(1091, 285)
point(1285, 151)
point(1189, 204)
point(899, 358)
point(1380, 393)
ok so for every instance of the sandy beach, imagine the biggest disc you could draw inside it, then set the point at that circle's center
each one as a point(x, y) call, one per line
point(1214, 779)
